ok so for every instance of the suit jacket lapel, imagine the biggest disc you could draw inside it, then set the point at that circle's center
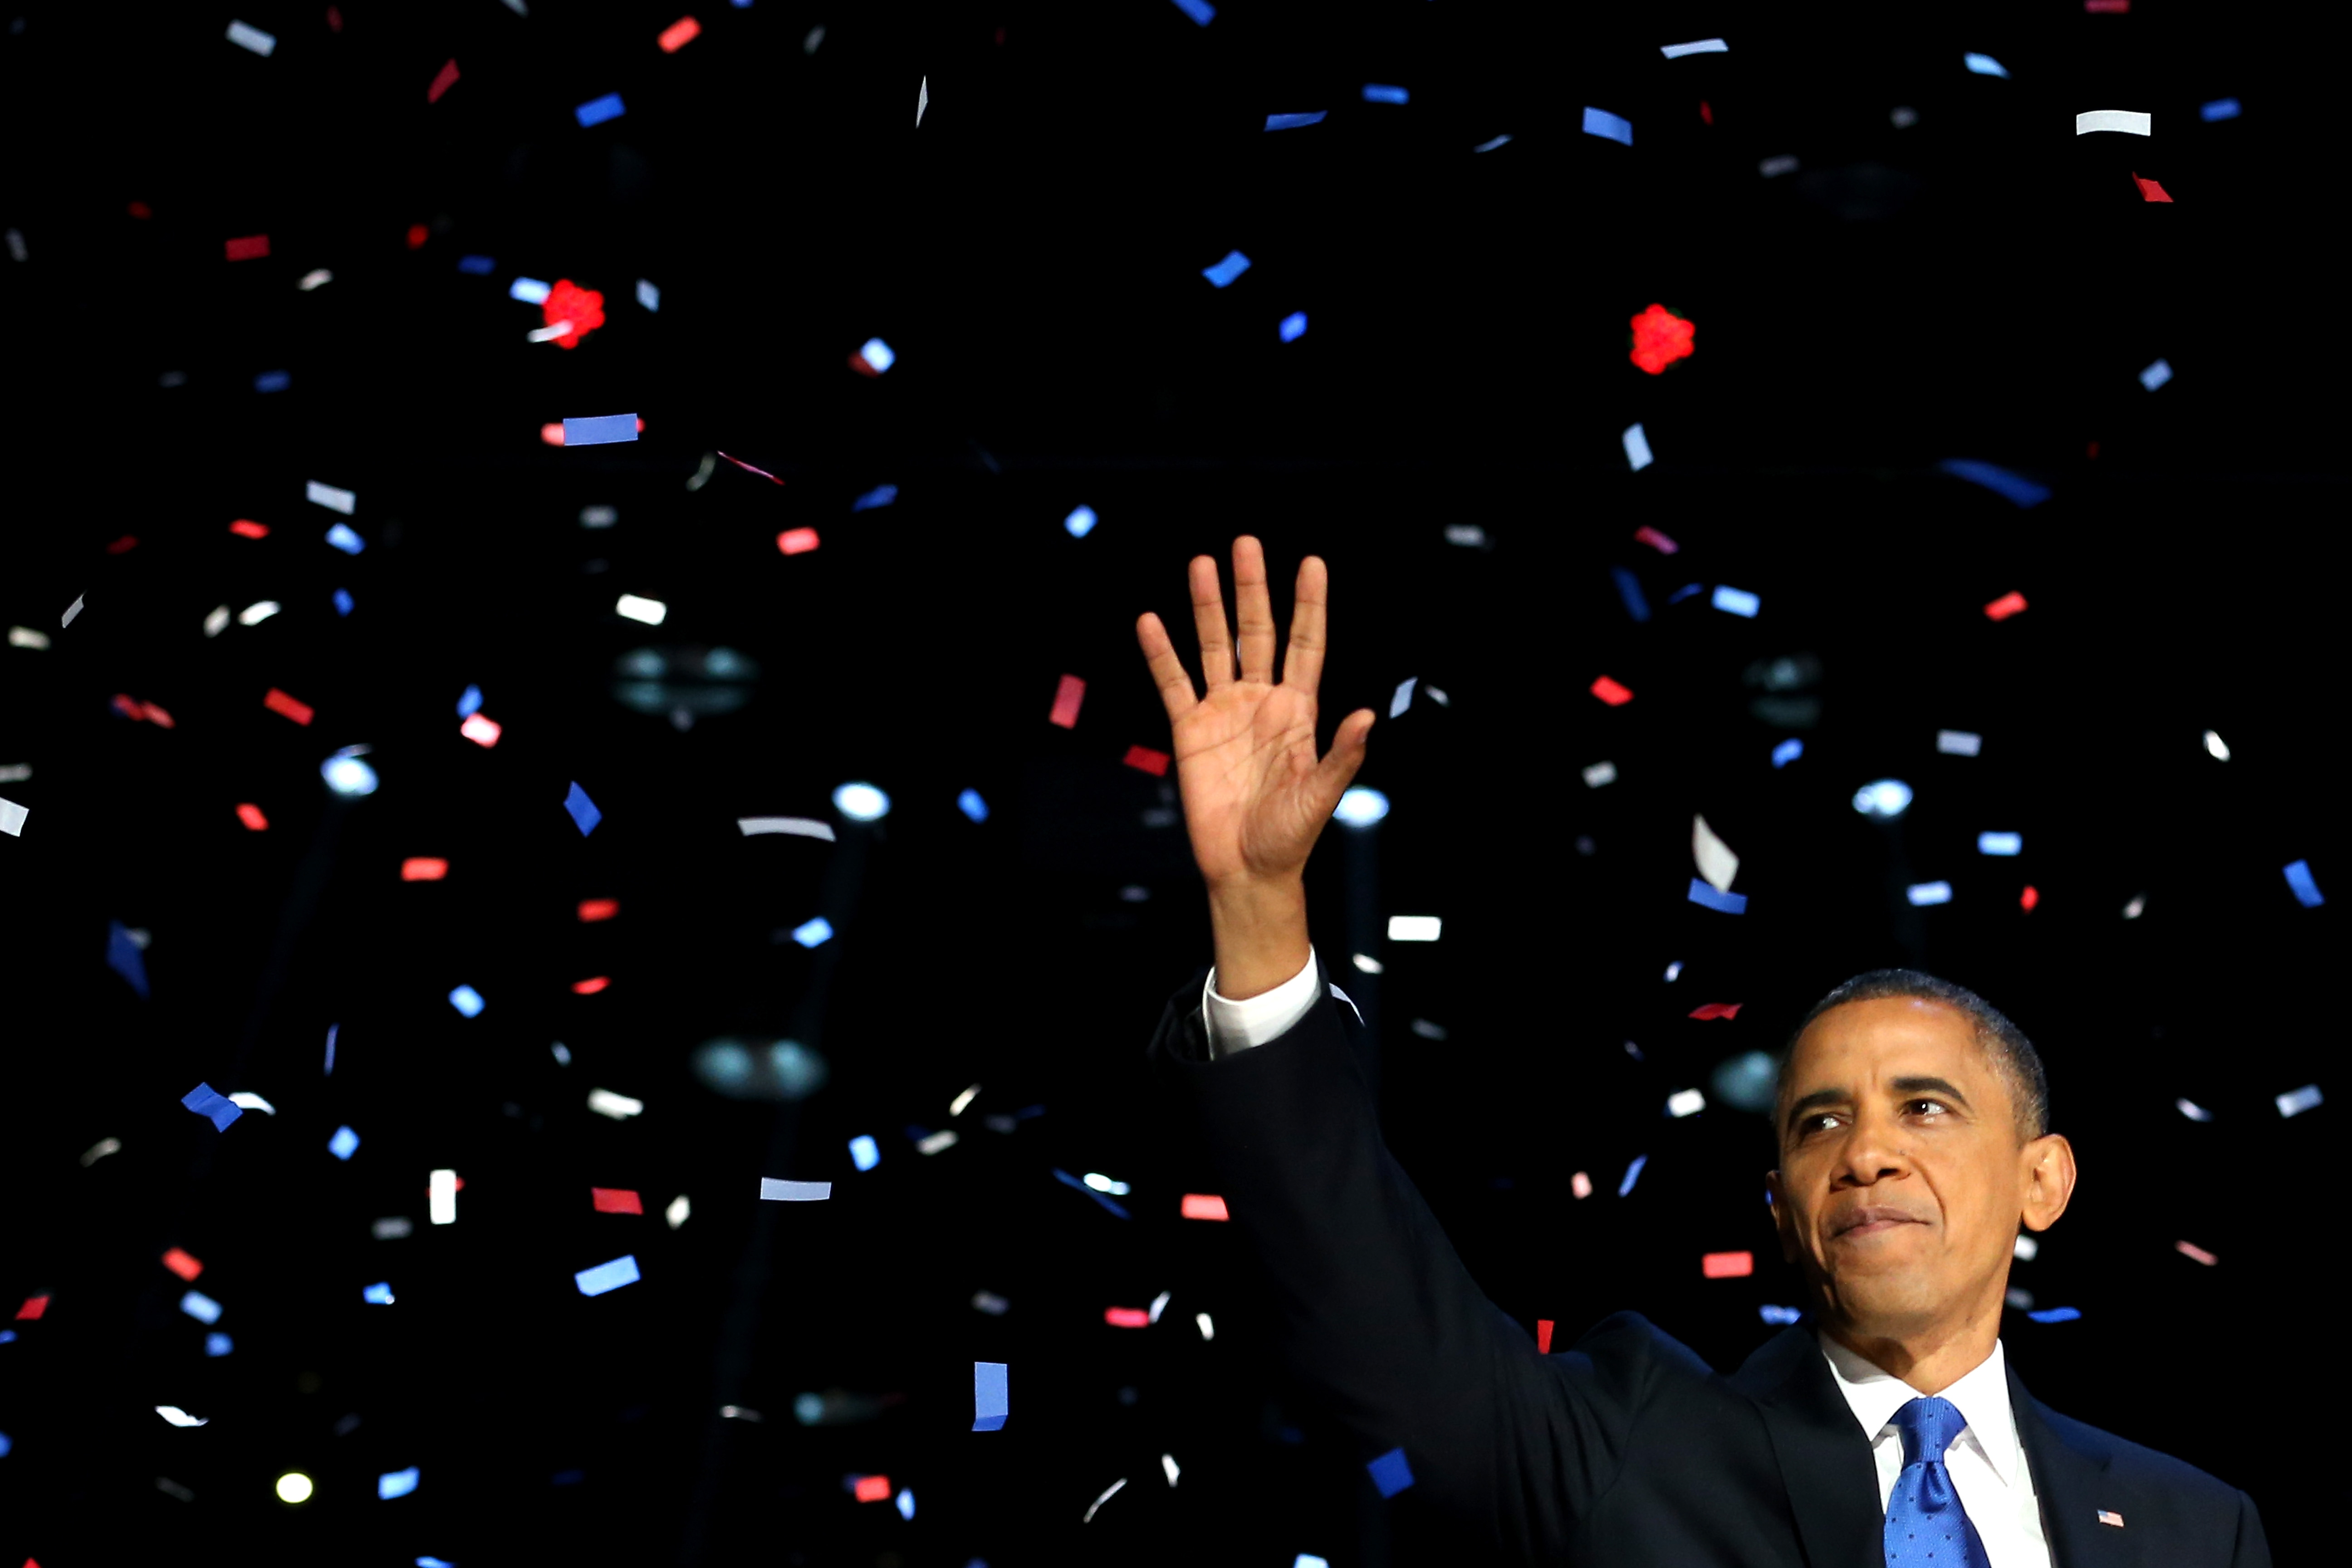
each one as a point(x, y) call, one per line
point(1824, 1459)
point(2072, 1485)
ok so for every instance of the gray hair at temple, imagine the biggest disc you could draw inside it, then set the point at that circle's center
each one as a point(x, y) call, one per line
point(2012, 1056)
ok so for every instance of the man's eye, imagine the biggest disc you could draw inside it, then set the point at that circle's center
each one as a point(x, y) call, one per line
point(1936, 1103)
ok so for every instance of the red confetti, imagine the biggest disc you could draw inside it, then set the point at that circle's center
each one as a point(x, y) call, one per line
point(1660, 338)
point(334, 19)
point(1149, 761)
point(2007, 604)
point(246, 528)
point(279, 702)
point(2028, 899)
point(2149, 191)
point(1543, 1336)
point(1611, 693)
point(873, 1488)
point(615, 1200)
point(1727, 1265)
point(1204, 1205)
point(155, 715)
point(2107, 7)
point(1127, 1317)
point(250, 814)
point(1658, 542)
point(423, 868)
point(124, 545)
point(749, 468)
point(797, 541)
point(33, 1308)
point(599, 909)
point(417, 235)
point(679, 33)
point(1718, 1010)
point(480, 729)
point(589, 987)
point(553, 433)
point(862, 365)
point(1705, 112)
point(2094, 452)
point(1066, 698)
point(2189, 1249)
point(252, 248)
point(583, 308)
point(141, 209)
point(443, 81)
point(182, 1265)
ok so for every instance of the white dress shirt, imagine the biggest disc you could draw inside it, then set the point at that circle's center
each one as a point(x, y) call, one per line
point(1986, 1461)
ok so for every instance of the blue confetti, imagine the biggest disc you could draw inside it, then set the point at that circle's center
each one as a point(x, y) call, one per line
point(201, 1307)
point(217, 1344)
point(2307, 891)
point(4, 1444)
point(467, 1000)
point(906, 1503)
point(344, 1143)
point(123, 956)
point(1772, 1314)
point(2220, 108)
point(1629, 588)
point(648, 294)
point(480, 266)
point(1737, 602)
point(2001, 843)
point(1922, 894)
point(529, 291)
point(1684, 592)
point(1200, 11)
point(971, 806)
point(864, 1152)
point(1081, 522)
point(1376, 93)
point(342, 600)
point(599, 430)
point(880, 495)
point(2056, 1314)
point(1613, 127)
point(1225, 271)
point(1632, 1175)
point(1068, 1180)
point(622, 1270)
point(1294, 326)
point(1391, 1473)
point(214, 1107)
point(991, 1404)
point(1788, 751)
point(2000, 481)
point(583, 810)
point(1293, 121)
point(273, 381)
point(378, 1294)
point(1705, 893)
point(1984, 65)
point(342, 537)
point(597, 111)
point(397, 1483)
point(814, 933)
point(470, 702)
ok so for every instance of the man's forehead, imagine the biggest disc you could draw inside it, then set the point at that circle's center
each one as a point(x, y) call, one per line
point(1886, 1036)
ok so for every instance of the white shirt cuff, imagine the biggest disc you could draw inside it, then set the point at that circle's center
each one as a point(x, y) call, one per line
point(1254, 1020)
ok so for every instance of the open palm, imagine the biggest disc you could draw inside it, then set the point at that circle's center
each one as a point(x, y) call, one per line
point(1256, 795)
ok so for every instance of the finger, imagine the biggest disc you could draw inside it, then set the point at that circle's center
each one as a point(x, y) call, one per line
point(1338, 769)
point(1254, 610)
point(1209, 620)
point(1302, 664)
point(1167, 670)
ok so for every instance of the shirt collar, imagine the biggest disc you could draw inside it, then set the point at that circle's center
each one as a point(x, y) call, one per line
point(1982, 1396)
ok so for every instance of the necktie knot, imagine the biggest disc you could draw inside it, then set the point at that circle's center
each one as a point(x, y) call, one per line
point(1928, 1426)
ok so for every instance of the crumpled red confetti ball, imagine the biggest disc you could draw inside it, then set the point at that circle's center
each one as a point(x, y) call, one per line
point(1660, 338)
point(583, 308)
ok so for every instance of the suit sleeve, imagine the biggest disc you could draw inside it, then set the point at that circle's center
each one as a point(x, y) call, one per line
point(1377, 1311)
point(2253, 1548)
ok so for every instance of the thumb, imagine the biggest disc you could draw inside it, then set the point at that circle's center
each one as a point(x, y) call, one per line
point(1338, 768)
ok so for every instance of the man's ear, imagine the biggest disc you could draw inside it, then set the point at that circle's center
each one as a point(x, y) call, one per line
point(1783, 1222)
point(2047, 1165)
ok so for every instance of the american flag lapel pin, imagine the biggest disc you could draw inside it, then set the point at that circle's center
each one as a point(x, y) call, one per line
point(2108, 1516)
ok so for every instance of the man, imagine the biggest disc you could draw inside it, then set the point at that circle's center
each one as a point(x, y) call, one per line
point(1887, 1430)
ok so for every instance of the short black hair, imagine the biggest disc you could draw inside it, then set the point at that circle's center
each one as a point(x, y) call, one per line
point(2012, 1055)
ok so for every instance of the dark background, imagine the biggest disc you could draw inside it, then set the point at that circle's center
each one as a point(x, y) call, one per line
point(1981, 284)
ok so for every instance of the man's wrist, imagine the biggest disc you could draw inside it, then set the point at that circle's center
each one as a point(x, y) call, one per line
point(1260, 928)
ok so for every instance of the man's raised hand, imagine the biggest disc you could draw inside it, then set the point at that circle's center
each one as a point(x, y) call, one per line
point(1256, 795)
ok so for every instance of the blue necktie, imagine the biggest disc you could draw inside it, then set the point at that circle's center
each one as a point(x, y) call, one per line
point(1925, 1522)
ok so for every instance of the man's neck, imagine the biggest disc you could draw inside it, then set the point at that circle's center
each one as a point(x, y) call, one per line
point(1930, 1362)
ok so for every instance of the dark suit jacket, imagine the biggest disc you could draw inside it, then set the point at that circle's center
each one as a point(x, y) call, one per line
point(1626, 1448)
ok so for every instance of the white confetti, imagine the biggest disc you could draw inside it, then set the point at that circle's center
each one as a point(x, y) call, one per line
point(1717, 863)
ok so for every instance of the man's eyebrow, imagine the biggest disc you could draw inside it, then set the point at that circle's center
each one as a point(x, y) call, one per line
point(1823, 1098)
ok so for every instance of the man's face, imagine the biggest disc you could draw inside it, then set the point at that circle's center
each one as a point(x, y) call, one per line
point(1902, 1178)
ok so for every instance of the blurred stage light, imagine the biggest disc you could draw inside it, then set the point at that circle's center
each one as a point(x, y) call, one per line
point(1745, 1081)
point(700, 683)
point(861, 803)
point(1885, 799)
point(760, 1069)
point(347, 775)
point(1361, 807)
point(294, 1486)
